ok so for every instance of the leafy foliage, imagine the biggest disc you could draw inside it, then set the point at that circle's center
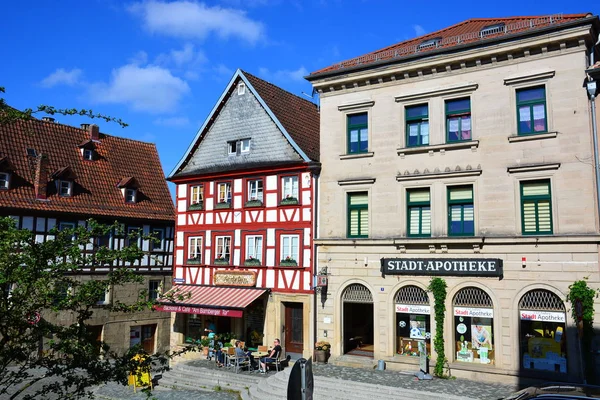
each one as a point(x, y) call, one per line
point(46, 302)
point(438, 287)
point(9, 114)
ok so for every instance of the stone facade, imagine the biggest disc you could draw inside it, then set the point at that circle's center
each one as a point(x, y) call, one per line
point(494, 162)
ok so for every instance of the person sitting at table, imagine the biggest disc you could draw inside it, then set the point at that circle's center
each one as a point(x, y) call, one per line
point(241, 353)
point(272, 356)
point(220, 357)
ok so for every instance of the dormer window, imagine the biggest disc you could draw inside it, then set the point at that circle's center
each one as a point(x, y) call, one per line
point(236, 147)
point(492, 29)
point(88, 154)
point(65, 188)
point(429, 43)
point(130, 195)
point(88, 150)
point(241, 89)
point(4, 180)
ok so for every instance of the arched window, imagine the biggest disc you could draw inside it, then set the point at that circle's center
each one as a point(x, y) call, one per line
point(413, 322)
point(474, 326)
point(542, 331)
point(357, 316)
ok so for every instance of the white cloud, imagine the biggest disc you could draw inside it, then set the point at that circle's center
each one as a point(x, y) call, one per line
point(223, 70)
point(139, 58)
point(194, 20)
point(419, 30)
point(187, 55)
point(173, 121)
point(151, 88)
point(284, 74)
point(62, 77)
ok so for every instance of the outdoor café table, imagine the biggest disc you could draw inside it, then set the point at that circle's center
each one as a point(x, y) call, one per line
point(260, 354)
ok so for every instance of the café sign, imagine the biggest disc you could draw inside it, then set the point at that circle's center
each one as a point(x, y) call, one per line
point(216, 312)
point(234, 278)
point(484, 267)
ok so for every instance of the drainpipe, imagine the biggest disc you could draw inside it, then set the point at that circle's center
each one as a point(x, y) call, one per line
point(315, 256)
point(595, 129)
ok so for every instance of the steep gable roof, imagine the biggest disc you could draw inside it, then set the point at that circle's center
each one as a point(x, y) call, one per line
point(96, 193)
point(296, 118)
point(466, 32)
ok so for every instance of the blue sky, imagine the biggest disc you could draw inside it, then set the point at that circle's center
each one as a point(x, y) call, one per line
point(161, 66)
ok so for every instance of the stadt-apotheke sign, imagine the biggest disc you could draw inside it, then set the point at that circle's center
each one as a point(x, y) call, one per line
point(485, 267)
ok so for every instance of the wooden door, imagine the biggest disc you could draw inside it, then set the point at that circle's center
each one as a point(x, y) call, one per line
point(294, 328)
point(148, 332)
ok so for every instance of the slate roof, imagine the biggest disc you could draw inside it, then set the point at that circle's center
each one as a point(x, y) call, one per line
point(299, 117)
point(95, 186)
point(463, 33)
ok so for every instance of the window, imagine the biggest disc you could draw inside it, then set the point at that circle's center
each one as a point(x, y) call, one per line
point(4, 180)
point(232, 147)
point(153, 289)
point(429, 43)
point(133, 236)
point(245, 145)
point(104, 298)
point(65, 188)
point(358, 133)
point(531, 110)
point(197, 194)
point(195, 249)
point(66, 225)
point(223, 251)
point(254, 246)
point(255, 190)
point(88, 154)
point(460, 211)
point(224, 192)
point(417, 125)
point(289, 187)
point(241, 89)
point(536, 208)
point(236, 147)
point(104, 239)
point(130, 195)
point(289, 247)
point(458, 120)
point(157, 243)
point(474, 326)
point(492, 29)
point(419, 212)
point(358, 214)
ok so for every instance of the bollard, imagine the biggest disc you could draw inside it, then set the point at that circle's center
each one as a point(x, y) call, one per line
point(380, 365)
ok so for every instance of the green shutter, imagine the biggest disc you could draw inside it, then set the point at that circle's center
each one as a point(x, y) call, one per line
point(529, 217)
point(414, 218)
point(462, 193)
point(415, 196)
point(426, 221)
point(536, 207)
point(358, 214)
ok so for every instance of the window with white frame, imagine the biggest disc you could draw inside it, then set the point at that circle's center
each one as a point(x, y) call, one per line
point(254, 245)
point(158, 241)
point(244, 145)
point(104, 298)
point(232, 147)
point(255, 190)
point(289, 247)
point(241, 89)
point(195, 248)
point(88, 154)
point(224, 192)
point(4, 180)
point(65, 188)
point(130, 195)
point(236, 147)
point(154, 289)
point(223, 249)
point(133, 236)
point(289, 187)
point(66, 225)
point(197, 194)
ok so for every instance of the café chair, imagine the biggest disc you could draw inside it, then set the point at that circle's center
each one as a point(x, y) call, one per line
point(262, 349)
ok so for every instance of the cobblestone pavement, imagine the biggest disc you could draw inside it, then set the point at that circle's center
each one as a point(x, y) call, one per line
point(457, 387)
point(114, 391)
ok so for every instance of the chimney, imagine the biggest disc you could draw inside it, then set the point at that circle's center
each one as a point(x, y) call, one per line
point(48, 119)
point(40, 183)
point(94, 131)
point(85, 127)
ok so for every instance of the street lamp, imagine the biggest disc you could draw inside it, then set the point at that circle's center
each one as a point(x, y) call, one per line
point(591, 87)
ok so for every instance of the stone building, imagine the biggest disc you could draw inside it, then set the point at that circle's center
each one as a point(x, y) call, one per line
point(465, 154)
point(57, 176)
point(244, 233)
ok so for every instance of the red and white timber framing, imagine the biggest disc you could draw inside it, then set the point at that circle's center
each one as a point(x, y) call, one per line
point(271, 221)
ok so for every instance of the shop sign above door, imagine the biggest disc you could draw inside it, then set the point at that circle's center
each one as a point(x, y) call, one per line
point(234, 278)
point(487, 267)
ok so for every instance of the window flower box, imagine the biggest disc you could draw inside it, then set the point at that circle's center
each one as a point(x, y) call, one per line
point(288, 262)
point(252, 261)
point(223, 205)
point(253, 203)
point(221, 261)
point(194, 261)
point(196, 206)
point(289, 201)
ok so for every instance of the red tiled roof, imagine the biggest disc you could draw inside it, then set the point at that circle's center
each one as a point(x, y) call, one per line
point(299, 117)
point(462, 33)
point(95, 186)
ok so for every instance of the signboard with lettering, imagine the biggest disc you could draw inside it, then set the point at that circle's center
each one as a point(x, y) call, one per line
point(545, 316)
point(413, 309)
point(234, 278)
point(473, 312)
point(217, 312)
point(486, 267)
point(178, 281)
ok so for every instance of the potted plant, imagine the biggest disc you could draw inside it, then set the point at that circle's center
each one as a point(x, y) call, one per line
point(288, 262)
point(196, 206)
point(205, 343)
point(251, 261)
point(322, 351)
point(223, 204)
point(253, 202)
point(289, 200)
point(194, 260)
point(221, 261)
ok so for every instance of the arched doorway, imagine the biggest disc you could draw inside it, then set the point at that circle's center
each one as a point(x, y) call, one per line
point(357, 305)
point(542, 331)
point(413, 322)
point(474, 326)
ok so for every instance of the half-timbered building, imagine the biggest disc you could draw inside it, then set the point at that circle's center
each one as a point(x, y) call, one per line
point(245, 200)
point(58, 176)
